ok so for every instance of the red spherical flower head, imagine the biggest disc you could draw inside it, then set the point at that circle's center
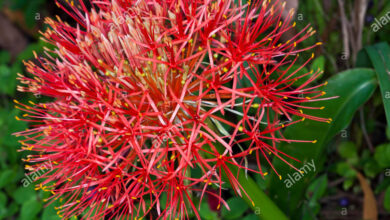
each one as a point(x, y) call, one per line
point(145, 93)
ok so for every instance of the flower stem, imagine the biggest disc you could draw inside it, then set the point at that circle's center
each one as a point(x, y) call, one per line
point(262, 205)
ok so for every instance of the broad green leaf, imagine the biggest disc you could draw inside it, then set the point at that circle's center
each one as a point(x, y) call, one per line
point(250, 217)
point(348, 183)
point(353, 88)
point(5, 57)
point(371, 168)
point(348, 151)
point(6, 177)
point(388, 132)
point(317, 188)
point(3, 202)
point(382, 155)
point(380, 58)
point(30, 209)
point(345, 170)
point(260, 203)
point(49, 213)
point(237, 208)
point(206, 213)
point(386, 202)
point(24, 193)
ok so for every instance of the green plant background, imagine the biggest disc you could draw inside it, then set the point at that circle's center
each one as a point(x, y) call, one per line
point(356, 142)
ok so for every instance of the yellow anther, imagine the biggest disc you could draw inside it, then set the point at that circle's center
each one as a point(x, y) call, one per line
point(280, 177)
point(294, 24)
point(319, 43)
point(312, 55)
point(17, 118)
point(308, 98)
point(265, 174)
point(118, 176)
point(215, 55)
point(69, 180)
point(225, 69)
point(315, 141)
point(283, 126)
point(133, 197)
point(303, 119)
point(322, 107)
point(255, 105)
point(200, 48)
point(250, 152)
point(240, 128)
point(103, 188)
point(253, 204)
point(326, 83)
point(323, 93)
point(219, 206)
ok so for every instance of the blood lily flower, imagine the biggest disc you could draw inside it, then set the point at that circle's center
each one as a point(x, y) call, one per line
point(145, 93)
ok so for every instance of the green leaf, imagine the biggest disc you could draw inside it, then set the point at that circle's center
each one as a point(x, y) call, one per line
point(348, 151)
point(345, 170)
point(317, 188)
point(3, 202)
point(318, 64)
point(300, 71)
point(382, 155)
point(371, 168)
point(380, 58)
point(388, 132)
point(237, 208)
point(353, 88)
point(30, 209)
point(250, 217)
point(262, 206)
point(24, 193)
point(348, 183)
point(206, 213)
point(386, 202)
point(6, 177)
point(5, 57)
point(49, 213)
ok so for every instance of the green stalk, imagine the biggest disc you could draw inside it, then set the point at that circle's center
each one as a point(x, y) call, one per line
point(262, 205)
